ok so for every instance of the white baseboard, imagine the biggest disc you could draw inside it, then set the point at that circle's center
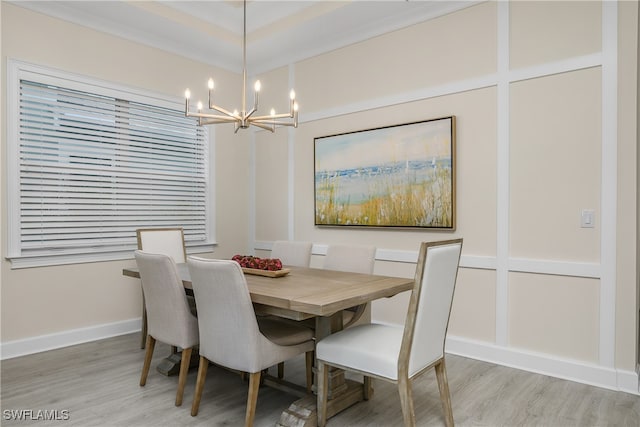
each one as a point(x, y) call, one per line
point(545, 364)
point(22, 347)
point(629, 381)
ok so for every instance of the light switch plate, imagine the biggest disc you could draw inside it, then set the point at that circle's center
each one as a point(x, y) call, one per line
point(587, 218)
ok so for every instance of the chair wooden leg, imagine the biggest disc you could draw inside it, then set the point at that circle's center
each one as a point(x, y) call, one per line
point(281, 370)
point(151, 343)
point(143, 334)
point(182, 377)
point(309, 356)
point(406, 400)
point(445, 396)
point(252, 398)
point(202, 375)
point(323, 383)
point(367, 388)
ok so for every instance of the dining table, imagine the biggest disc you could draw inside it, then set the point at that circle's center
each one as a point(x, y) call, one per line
point(300, 293)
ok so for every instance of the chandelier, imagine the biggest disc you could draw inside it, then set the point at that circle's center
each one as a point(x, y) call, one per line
point(243, 119)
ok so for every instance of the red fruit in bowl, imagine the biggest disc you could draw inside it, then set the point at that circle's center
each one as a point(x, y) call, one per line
point(273, 264)
point(250, 261)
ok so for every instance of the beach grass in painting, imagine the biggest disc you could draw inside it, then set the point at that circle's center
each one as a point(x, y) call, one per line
point(397, 176)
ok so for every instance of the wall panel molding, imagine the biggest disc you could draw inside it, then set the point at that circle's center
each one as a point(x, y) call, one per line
point(555, 267)
point(609, 184)
point(565, 66)
point(481, 262)
point(503, 183)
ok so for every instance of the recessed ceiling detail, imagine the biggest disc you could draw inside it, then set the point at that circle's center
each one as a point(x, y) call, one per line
point(278, 32)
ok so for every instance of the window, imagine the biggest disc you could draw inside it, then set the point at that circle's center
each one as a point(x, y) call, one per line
point(90, 162)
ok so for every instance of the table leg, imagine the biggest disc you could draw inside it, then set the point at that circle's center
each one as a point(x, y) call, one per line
point(170, 365)
point(343, 393)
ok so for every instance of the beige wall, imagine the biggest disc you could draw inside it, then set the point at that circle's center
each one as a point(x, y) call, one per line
point(532, 99)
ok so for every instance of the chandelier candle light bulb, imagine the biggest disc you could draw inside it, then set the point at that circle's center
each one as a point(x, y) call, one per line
point(243, 119)
point(187, 95)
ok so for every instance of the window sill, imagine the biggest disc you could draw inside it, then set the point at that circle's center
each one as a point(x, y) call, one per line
point(33, 261)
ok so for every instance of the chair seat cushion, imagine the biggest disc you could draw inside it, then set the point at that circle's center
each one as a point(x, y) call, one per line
point(282, 332)
point(372, 348)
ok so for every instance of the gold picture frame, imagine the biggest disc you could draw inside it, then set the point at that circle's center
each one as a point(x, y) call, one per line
point(393, 176)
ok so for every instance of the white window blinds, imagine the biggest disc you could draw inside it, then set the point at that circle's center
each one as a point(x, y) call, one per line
point(94, 168)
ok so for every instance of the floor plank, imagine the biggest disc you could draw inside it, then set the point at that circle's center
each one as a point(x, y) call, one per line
point(97, 383)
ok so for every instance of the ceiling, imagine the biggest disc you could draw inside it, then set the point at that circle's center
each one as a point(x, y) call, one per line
point(278, 32)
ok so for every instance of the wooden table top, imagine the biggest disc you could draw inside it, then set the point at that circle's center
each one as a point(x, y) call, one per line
point(309, 292)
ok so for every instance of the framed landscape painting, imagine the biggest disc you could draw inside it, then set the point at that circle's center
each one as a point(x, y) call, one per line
point(394, 176)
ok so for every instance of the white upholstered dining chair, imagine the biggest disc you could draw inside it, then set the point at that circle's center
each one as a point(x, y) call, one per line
point(168, 313)
point(399, 354)
point(294, 253)
point(167, 241)
point(354, 259)
point(232, 336)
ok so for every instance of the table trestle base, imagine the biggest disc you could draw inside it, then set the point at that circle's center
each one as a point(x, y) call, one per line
point(303, 412)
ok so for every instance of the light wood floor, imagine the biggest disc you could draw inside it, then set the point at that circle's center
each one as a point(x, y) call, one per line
point(97, 383)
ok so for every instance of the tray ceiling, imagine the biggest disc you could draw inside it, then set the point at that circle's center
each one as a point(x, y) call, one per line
point(278, 32)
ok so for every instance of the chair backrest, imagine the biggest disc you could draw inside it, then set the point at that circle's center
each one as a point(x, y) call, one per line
point(229, 333)
point(168, 241)
point(169, 317)
point(293, 253)
point(429, 306)
point(352, 258)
